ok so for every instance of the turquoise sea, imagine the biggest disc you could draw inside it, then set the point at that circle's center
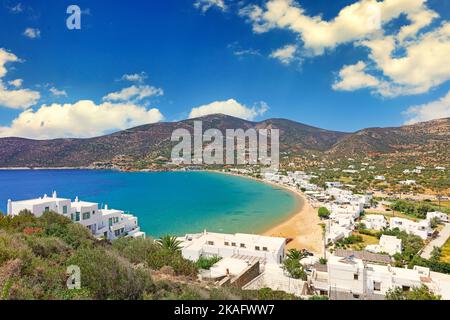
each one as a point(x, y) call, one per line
point(165, 202)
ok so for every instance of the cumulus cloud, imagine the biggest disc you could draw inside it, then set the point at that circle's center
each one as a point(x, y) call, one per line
point(230, 107)
point(16, 83)
point(205, 5)
point(57, 92)
point(409, 59)
point(81, 119)
point(286, 54)
point(32, 33)
point(424, 65)
point(14, 98)
point(134, 92)
point(354, 22)
point(354, 77)
point(433, 110)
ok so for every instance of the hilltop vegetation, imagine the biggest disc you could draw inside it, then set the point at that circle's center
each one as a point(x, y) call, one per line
point(35, 254)
point(149, 146)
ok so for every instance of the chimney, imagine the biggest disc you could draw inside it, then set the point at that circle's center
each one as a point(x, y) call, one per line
point(76, 199)
point(106, 207)
point(54, 195)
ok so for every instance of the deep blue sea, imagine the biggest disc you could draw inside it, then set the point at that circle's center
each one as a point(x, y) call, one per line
point(165, 202)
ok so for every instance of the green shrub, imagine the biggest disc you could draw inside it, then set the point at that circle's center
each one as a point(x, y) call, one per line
point(206, 263)
point(108, 276)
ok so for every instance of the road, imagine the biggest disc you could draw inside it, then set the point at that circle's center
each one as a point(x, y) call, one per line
point(438, 242)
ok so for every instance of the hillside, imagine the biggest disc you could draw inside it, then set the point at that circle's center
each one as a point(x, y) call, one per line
point(147, 142)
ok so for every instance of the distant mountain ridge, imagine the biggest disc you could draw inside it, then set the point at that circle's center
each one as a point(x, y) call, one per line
point(153, 140)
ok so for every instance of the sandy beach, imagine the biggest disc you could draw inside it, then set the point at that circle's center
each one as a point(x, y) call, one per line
point(302, 226)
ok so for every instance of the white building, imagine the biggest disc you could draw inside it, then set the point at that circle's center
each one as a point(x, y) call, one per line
point(375, 222)
point(408, 182)
point(349, 278)
point(439, 215)
point(380, 178)
point(106, 223)
point(421, 228)
point(388, 244)
point(239, 245)
point(336, 232)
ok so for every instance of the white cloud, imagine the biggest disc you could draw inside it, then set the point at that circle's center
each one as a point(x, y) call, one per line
point(14, 98)
point(410, 58)
point(433, 110)
point(205, 5)
point(425, 63)
point(134, 92)
point(18, 98)
point(16, 83)
point(230, 107)
point(135, 77)
point(81, 119)
point(17, 8)
point(286, 54)
point(354, 77)
point(354, 22)
point(32, 33)
point(6, 57)
point(57, 92)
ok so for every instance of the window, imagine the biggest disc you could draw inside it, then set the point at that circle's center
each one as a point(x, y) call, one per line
point(257, 248)
point(355, 276)
point(406, 288)
point(77, 216)
point(93, 211)
point(110, 221)
point(227, 243)
point(233, 244)
point(265, 249)
point(376, 286)
point(242, 245)
point(64, 209)
point(86, 215)
point(356, 296)
point(47, 209)
point(210, 243)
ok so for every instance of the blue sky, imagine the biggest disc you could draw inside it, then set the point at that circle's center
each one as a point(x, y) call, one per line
point(253, 58)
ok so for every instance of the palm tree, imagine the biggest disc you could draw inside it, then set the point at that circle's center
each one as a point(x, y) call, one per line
point(169, 243)
point(295, 254)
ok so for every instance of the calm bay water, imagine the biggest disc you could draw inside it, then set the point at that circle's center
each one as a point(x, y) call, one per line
point(166, 202)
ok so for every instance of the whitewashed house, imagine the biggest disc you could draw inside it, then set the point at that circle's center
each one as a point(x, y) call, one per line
point(388, 244)
point(439, 215)
point(239, 245)
point(408, 182)
point(375, 222)
point(421, 228)
point(349, 278)
point(103, 223)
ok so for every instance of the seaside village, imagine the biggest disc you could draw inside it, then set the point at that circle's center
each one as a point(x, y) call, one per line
point(252, 261)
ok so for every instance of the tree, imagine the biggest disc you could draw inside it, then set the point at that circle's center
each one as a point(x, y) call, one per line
point(416, 293)
point(294, 268)
point(296, 254)
point(170, 243)
point(324, 213)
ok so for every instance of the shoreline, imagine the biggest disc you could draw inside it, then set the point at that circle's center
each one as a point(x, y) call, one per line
point(302, 226)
